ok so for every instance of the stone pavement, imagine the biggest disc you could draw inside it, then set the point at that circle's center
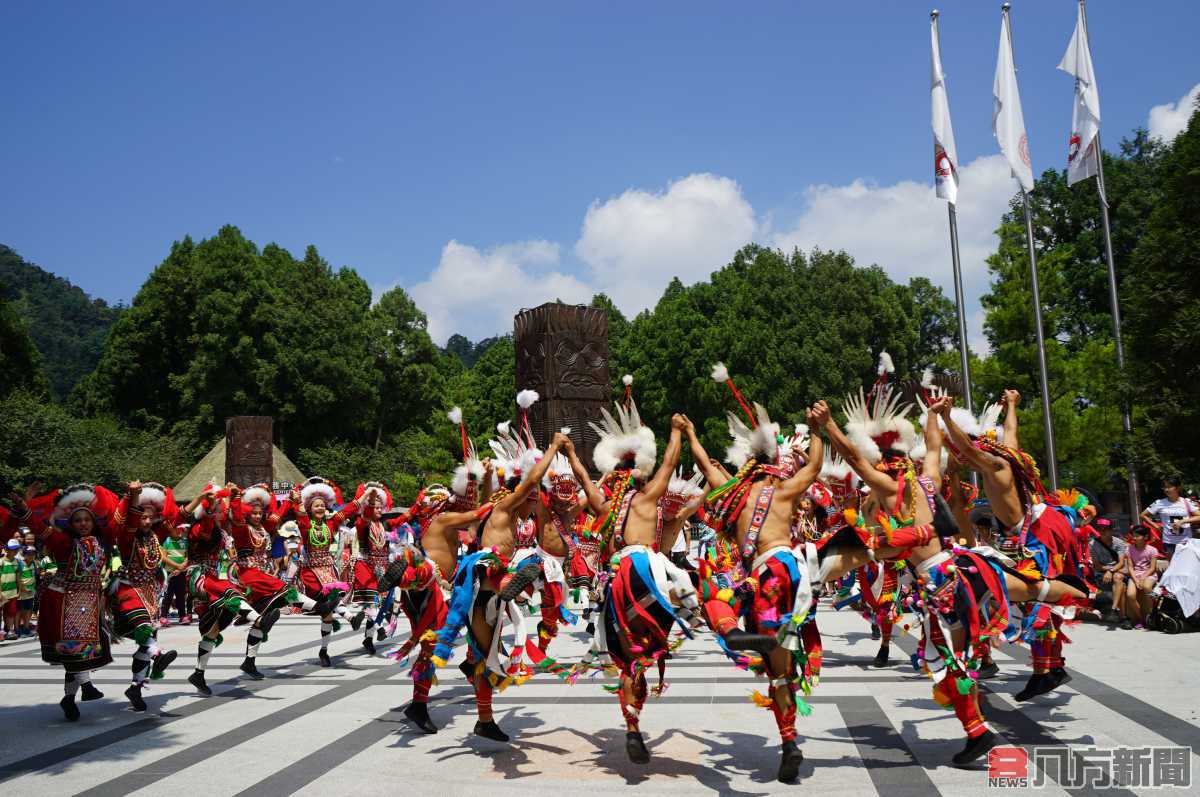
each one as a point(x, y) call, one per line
point(317, 731)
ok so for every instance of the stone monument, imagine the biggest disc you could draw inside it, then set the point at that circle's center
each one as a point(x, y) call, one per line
point(562, 353)
point(248, 449)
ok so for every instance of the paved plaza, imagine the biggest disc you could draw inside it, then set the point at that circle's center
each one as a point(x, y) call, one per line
point(339, 731)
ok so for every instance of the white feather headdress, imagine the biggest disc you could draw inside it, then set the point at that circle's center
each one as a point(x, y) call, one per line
point(880, 423)
point(761, 442)
point(688, 488)
point(469, 471)
point(513, 456)
point(622, 439)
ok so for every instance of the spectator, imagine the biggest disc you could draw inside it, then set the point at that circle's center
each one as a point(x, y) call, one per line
point(1138, 564)
point(1175, 513)
point(1105, 552)
point(175, 562)
point(10, 588)
point(26, 591)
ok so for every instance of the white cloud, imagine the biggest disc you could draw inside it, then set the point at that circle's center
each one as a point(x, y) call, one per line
point(633, 244)
point(903, 227)
point(1169, 120)
point(476, 293)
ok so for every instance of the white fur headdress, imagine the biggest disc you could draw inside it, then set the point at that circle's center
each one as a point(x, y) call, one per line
point(761, 442)
point(880, 423)
point(317, 487)
point(622, 439)
point(258, 494)
point(74, 498)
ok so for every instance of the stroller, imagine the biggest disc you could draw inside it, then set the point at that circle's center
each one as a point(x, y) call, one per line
point(1177, 596)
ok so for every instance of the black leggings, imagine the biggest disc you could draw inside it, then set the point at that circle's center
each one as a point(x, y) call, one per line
point(177, 590)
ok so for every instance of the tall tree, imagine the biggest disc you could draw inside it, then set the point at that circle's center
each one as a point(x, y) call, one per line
point(20, 363)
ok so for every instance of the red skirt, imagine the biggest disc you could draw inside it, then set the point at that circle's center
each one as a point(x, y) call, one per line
point(320, 581)
point(132, 607)
point(71, 629)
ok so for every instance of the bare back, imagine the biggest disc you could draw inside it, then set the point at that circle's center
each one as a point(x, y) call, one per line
point(776, 528)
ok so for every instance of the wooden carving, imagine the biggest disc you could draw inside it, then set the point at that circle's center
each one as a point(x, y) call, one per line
point(248, 449)
point(562, 353)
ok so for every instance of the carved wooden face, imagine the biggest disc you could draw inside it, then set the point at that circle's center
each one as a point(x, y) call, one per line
point(580, 365)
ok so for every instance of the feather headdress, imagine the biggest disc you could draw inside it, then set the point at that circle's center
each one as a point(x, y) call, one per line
point(760, 442)
point(624, 441)
point(514, 455)
point(880, 423)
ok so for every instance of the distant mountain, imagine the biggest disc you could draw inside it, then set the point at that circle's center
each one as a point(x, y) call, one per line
point(467, 351)
point(67, 326)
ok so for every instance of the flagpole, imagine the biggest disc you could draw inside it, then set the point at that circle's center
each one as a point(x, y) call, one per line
point(1051, 455)
point(1114, 301)
point(963, 354)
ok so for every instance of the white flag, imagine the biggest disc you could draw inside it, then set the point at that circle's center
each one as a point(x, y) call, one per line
point(1008, 123)
point(1085, 116)
point(945, 156)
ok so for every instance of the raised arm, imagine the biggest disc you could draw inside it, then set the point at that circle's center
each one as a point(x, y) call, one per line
point(876, 480)
point(932, 466)
point(976, 459)
point(595, 498)
point(714, 474)
point(662, 477)
point(1012, 400)
point(534, 478)
point(805, 476)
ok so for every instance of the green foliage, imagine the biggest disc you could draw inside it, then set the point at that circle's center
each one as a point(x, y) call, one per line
point(1162, 306)
point(67, 326)
point(468, 353)
point(43, 441)
point(20, 363)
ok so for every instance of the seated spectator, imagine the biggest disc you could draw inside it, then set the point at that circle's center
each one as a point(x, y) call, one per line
point(1138, 564)
point(1175, 513)
point(1105, 552)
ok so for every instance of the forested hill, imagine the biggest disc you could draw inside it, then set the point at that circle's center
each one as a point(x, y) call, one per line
point(67, 326)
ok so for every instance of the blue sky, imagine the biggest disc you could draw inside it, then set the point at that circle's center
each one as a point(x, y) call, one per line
point(456, 149)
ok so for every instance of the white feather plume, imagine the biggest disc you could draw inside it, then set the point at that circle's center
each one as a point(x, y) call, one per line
point(502, 428)
point(927, 378)
point(868, 421)
point(687, 488)
point(627, 380)
point(622, 437)
point(526, 398)
point(761, 442)
point(886, 366)
point(455, 415)
point(720, 373)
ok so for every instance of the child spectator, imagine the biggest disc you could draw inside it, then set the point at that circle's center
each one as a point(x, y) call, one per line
point(26, 591)
point(175, 562)
point(10, 588)
point(1138, 563)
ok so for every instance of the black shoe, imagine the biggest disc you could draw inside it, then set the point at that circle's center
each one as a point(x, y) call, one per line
point(789, 766)
point(988, 670)
point(90, 692)
point(881, 658)
point(161, 662)
point(196, 679)
point(380, 633)
point(134, 693)
point(323, 655)
point(356, 620)
point(250, 669)
point(70, 710)
point(1111, 617)
point(635, 748)
point(369, 645)
point(737, 639)
point(418, 714)
point(490, 730)
point(1060, 676)
point(1039, 684)
point(267, 622)
point(975, 748)
point(520, 580)
point(875, 632)
point(1127, 624)
point(467, 668)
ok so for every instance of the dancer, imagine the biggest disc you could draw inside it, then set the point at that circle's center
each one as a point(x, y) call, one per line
point(253, 519)
point(772, 586)
point(637, 612)
point(218, 600)
point(318, 574)
point(484, 592)
point(141, 522)
point(370, 557)
point(71, 625)
point(1045, 539)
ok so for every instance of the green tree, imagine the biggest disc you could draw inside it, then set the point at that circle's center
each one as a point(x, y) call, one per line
point(410, 383)
point(20, 364)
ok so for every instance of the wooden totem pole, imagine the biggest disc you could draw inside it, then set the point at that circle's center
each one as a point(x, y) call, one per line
point(562, 353)
point(249, 449)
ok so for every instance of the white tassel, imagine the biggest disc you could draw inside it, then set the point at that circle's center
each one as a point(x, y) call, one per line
point(566, 430)
point(720, 373)
point(455, 415)
point(502, 427)
point(885, 364)
point(927, 378)
point(526, 398)
point(627, 380)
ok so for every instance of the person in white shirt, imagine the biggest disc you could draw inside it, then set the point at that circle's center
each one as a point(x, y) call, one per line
point(1176, 513)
